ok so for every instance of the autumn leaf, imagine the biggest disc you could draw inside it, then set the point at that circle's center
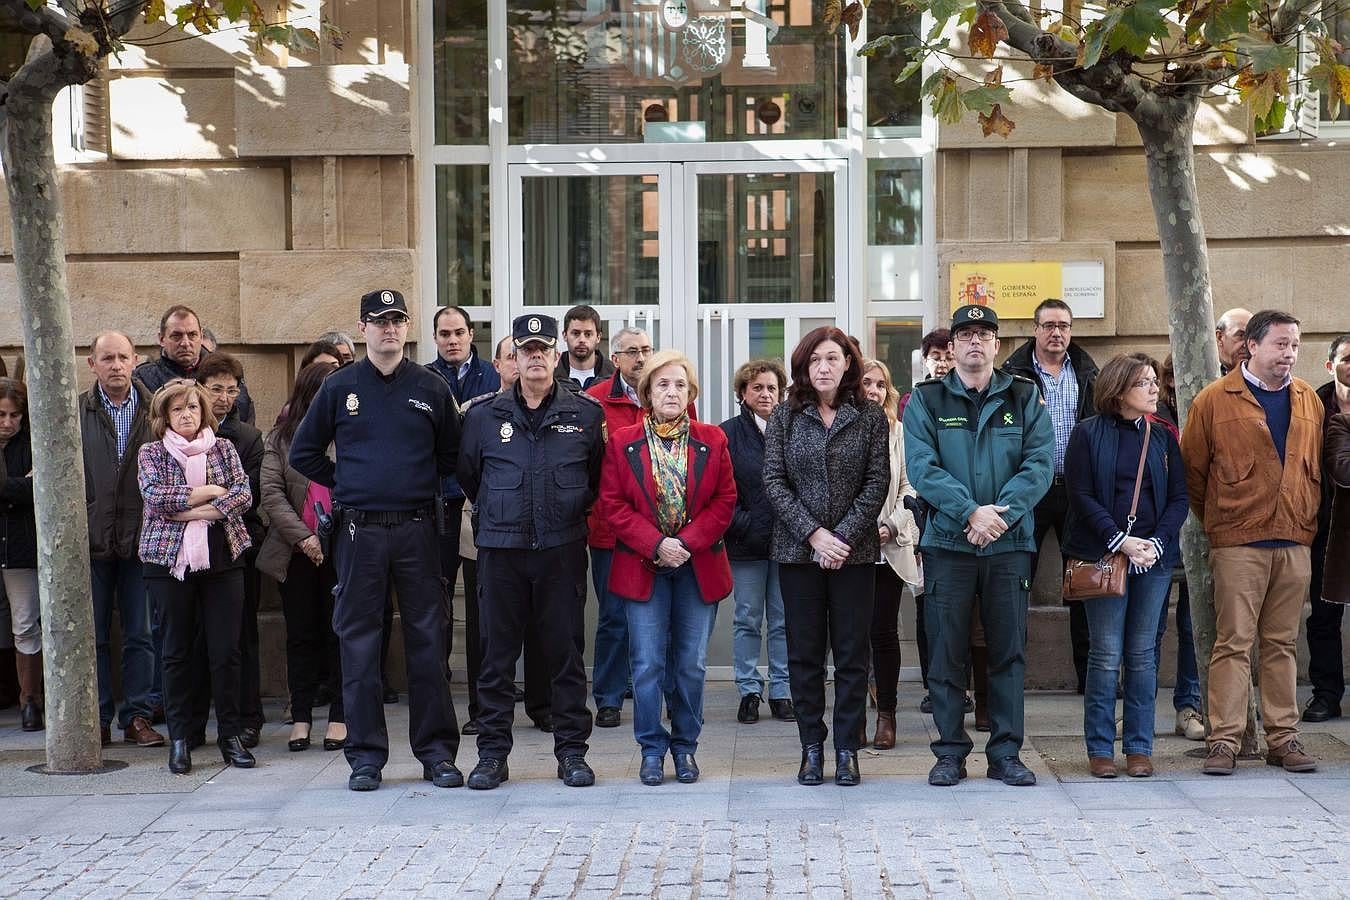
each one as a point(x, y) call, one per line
point(1333, 80)
point(1260, 89)
point(996, 123)
point(946, 100)
point(1043, 70)
point(154, 11)
point(995, 77)
point(834, 10)
point(852, 16)
point(985, 34)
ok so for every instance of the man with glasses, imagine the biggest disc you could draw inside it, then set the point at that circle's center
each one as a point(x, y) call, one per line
point(979, 448)
point(395, 430)
point(618, 396)
point(1066, 375)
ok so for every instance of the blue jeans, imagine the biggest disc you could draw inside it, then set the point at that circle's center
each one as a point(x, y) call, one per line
point(758, 599)
point(673, 625)
point(118, 583)
point(1187, 690)
point(1124, 630)
point(609, 676)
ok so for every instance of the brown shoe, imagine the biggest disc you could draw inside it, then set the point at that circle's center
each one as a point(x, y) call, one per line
point(1102, 766)
point(1292, 757)
point(1138, 765)
point(141, 734)
point(1221, 760)
point(884, 739)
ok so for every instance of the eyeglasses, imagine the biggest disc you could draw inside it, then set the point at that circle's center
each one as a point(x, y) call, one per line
point(388, 321)
point(982, 335)
point(1054, 326)
point(1147, 383)
point(635, 352)
point(222, 391)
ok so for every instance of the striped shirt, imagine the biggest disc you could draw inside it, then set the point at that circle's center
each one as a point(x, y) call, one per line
point(122, 416)
point(1061, 401)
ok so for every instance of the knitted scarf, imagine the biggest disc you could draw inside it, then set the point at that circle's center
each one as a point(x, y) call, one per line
point(668, 443)
point(195, 552)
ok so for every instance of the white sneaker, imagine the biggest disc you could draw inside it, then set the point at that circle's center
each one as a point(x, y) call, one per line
point(1190, 725)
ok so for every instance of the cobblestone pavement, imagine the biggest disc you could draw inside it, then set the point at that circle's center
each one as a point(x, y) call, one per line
point(290, 828)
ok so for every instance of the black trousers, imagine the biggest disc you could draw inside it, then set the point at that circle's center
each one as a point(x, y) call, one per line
point(921, 638)
point(538, 692)
point(250, 680)
point(1050, 514)
point(828, 612)
point(312, 656)
point(1326, 671)
point(369, 559)
point(886, 636)
point(206, 605)
point(958, 584)
point(520, 591)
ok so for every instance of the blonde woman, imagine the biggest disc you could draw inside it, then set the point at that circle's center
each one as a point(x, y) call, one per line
point(898, 566)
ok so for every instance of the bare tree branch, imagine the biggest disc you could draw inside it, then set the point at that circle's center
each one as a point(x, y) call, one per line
point(18, 16)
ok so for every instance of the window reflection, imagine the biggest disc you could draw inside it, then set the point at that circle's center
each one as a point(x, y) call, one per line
point(462, 236)
point(460, 71)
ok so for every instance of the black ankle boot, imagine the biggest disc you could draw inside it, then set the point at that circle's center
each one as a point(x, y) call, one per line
point(813, 765)
point(180, 758)
point(30, 717)
point(846, 768)
point(233, 751)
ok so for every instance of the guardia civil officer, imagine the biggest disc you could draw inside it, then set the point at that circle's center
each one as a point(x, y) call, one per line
point(979, 448)
point(530, 463)
point(395, 429)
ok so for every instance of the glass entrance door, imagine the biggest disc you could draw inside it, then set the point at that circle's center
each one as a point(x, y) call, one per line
point(727, 261)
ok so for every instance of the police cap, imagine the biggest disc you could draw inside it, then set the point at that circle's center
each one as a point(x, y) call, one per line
point(534, 328)
point(382, 303)
point(972, 315)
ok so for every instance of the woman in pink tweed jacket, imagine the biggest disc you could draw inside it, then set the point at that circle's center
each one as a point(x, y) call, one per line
point(192, 541)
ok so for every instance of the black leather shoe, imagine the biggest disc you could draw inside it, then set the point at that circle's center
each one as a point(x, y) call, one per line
point(812, 771)
point(489, 774)
point(926, 705)
point(30, 717)
point(628, 693)
point(519, 694)
point(470, 727)
point(180, 758)
point(443, 774)
point(249, 737)
point(846, 772)
point(363, 778)
point(968, 706)
point(1320, 709)
point(1011, 772)
point(783, 710)
point(233, 751)
point(947, 771)
point(749, 710)
point(105, 735)
point(575, 772)
point(544, 723)
point(607, 717)
point(653, 770)
point(686, 768)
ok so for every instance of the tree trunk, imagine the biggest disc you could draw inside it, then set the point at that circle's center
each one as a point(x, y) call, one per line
point(58, 469)
point(1168, 137)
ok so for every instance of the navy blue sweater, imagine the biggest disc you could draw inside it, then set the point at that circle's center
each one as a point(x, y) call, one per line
point(395, 437)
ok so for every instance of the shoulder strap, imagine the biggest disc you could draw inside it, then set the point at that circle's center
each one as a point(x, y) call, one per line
point(1139, 475)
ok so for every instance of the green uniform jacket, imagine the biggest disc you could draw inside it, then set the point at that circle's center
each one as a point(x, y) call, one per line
point(960, 456)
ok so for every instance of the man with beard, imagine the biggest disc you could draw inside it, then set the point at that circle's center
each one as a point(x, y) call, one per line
point(583, 363)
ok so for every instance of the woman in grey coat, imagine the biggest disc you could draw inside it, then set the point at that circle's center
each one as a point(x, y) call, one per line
point(826, 472)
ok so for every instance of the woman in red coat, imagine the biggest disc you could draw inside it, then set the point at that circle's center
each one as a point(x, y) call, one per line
point(667, 488)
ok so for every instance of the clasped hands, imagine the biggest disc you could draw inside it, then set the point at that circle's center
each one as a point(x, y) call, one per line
point(1141, 552)
point(199, 505)
point(986, 525)
point(831, 552)
point(671, 554)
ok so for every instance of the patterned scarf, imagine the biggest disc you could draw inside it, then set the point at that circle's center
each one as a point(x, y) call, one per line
point(668, 443)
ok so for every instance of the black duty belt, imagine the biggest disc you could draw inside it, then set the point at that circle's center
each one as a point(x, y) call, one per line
point(385, 517)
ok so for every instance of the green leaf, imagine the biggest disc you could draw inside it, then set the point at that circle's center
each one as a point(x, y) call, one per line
point(983, 99)
point(910, 70)
point(942, 10)
point(946, 101)
point(1221, 21)
point(930, 84)
point(1266, 55)
point(1274, 118)
point(881, 43)
point(967, 15)
point(1139, 23)
point(235, 10)
point(1095, 38)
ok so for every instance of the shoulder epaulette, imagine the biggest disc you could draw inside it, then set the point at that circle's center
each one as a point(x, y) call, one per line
point(467, 404)
point(1016, 377)
point(587, 396)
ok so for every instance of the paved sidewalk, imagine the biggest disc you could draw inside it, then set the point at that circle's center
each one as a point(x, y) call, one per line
point(746, 829)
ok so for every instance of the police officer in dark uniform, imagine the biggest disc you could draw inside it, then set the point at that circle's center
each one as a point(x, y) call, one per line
point(530, 463)
point(396, 432)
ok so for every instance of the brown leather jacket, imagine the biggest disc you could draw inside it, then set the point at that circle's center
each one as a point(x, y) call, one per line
point(1336, 574)
point(1238, 488)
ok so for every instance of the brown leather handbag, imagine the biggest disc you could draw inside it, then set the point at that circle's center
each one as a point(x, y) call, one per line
point(1105, 577)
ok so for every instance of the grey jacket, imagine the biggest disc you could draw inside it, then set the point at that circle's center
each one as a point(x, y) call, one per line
point(834, 479)
point(111, 494)
point(283, 496)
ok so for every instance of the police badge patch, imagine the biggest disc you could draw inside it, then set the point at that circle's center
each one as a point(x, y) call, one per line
point(506, 432)
point(353, 404)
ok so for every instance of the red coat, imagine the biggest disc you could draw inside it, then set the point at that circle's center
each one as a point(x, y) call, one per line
point(628, 502)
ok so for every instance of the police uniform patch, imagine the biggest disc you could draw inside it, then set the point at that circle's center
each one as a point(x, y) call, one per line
point(975, 313)
point(387, 298)
point(534, 326)
point(353, 404)
point(507, 430)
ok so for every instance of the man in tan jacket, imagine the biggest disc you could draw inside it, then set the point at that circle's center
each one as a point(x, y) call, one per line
point(1252, 447)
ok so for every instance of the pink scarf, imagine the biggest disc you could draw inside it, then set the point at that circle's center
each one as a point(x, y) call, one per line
point(195, 552)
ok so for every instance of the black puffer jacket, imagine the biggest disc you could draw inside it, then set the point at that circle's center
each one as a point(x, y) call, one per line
point(249, 442)
point(751, 532)
point(18, 524)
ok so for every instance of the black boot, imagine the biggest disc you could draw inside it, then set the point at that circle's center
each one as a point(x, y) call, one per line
point(813, 765)
point(180, 758)
point(29, 670)
point(846, 768)
point(233, 751)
